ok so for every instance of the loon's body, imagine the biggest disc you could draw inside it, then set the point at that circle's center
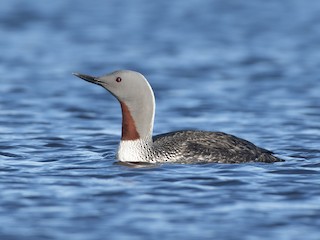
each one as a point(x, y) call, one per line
point(137, 144)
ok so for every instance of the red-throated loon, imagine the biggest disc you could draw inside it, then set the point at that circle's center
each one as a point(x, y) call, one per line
point(138, 145)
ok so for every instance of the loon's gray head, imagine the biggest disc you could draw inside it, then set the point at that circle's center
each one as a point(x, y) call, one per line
point(136, 98)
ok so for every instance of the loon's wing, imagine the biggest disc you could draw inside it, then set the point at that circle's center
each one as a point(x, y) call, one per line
point(199, 146)
point(229, 149)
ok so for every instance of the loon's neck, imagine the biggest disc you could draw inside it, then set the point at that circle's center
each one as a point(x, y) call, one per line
point(138, 115)
point(137, 127)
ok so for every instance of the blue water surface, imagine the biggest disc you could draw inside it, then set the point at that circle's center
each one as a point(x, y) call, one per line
point(249, 68)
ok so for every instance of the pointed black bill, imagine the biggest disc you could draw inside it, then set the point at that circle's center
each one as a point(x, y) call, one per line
point(87, 78)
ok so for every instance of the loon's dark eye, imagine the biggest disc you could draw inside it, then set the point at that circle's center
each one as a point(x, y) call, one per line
point(118, 79)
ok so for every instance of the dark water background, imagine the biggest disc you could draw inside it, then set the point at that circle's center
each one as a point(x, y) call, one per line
point(249, 68)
